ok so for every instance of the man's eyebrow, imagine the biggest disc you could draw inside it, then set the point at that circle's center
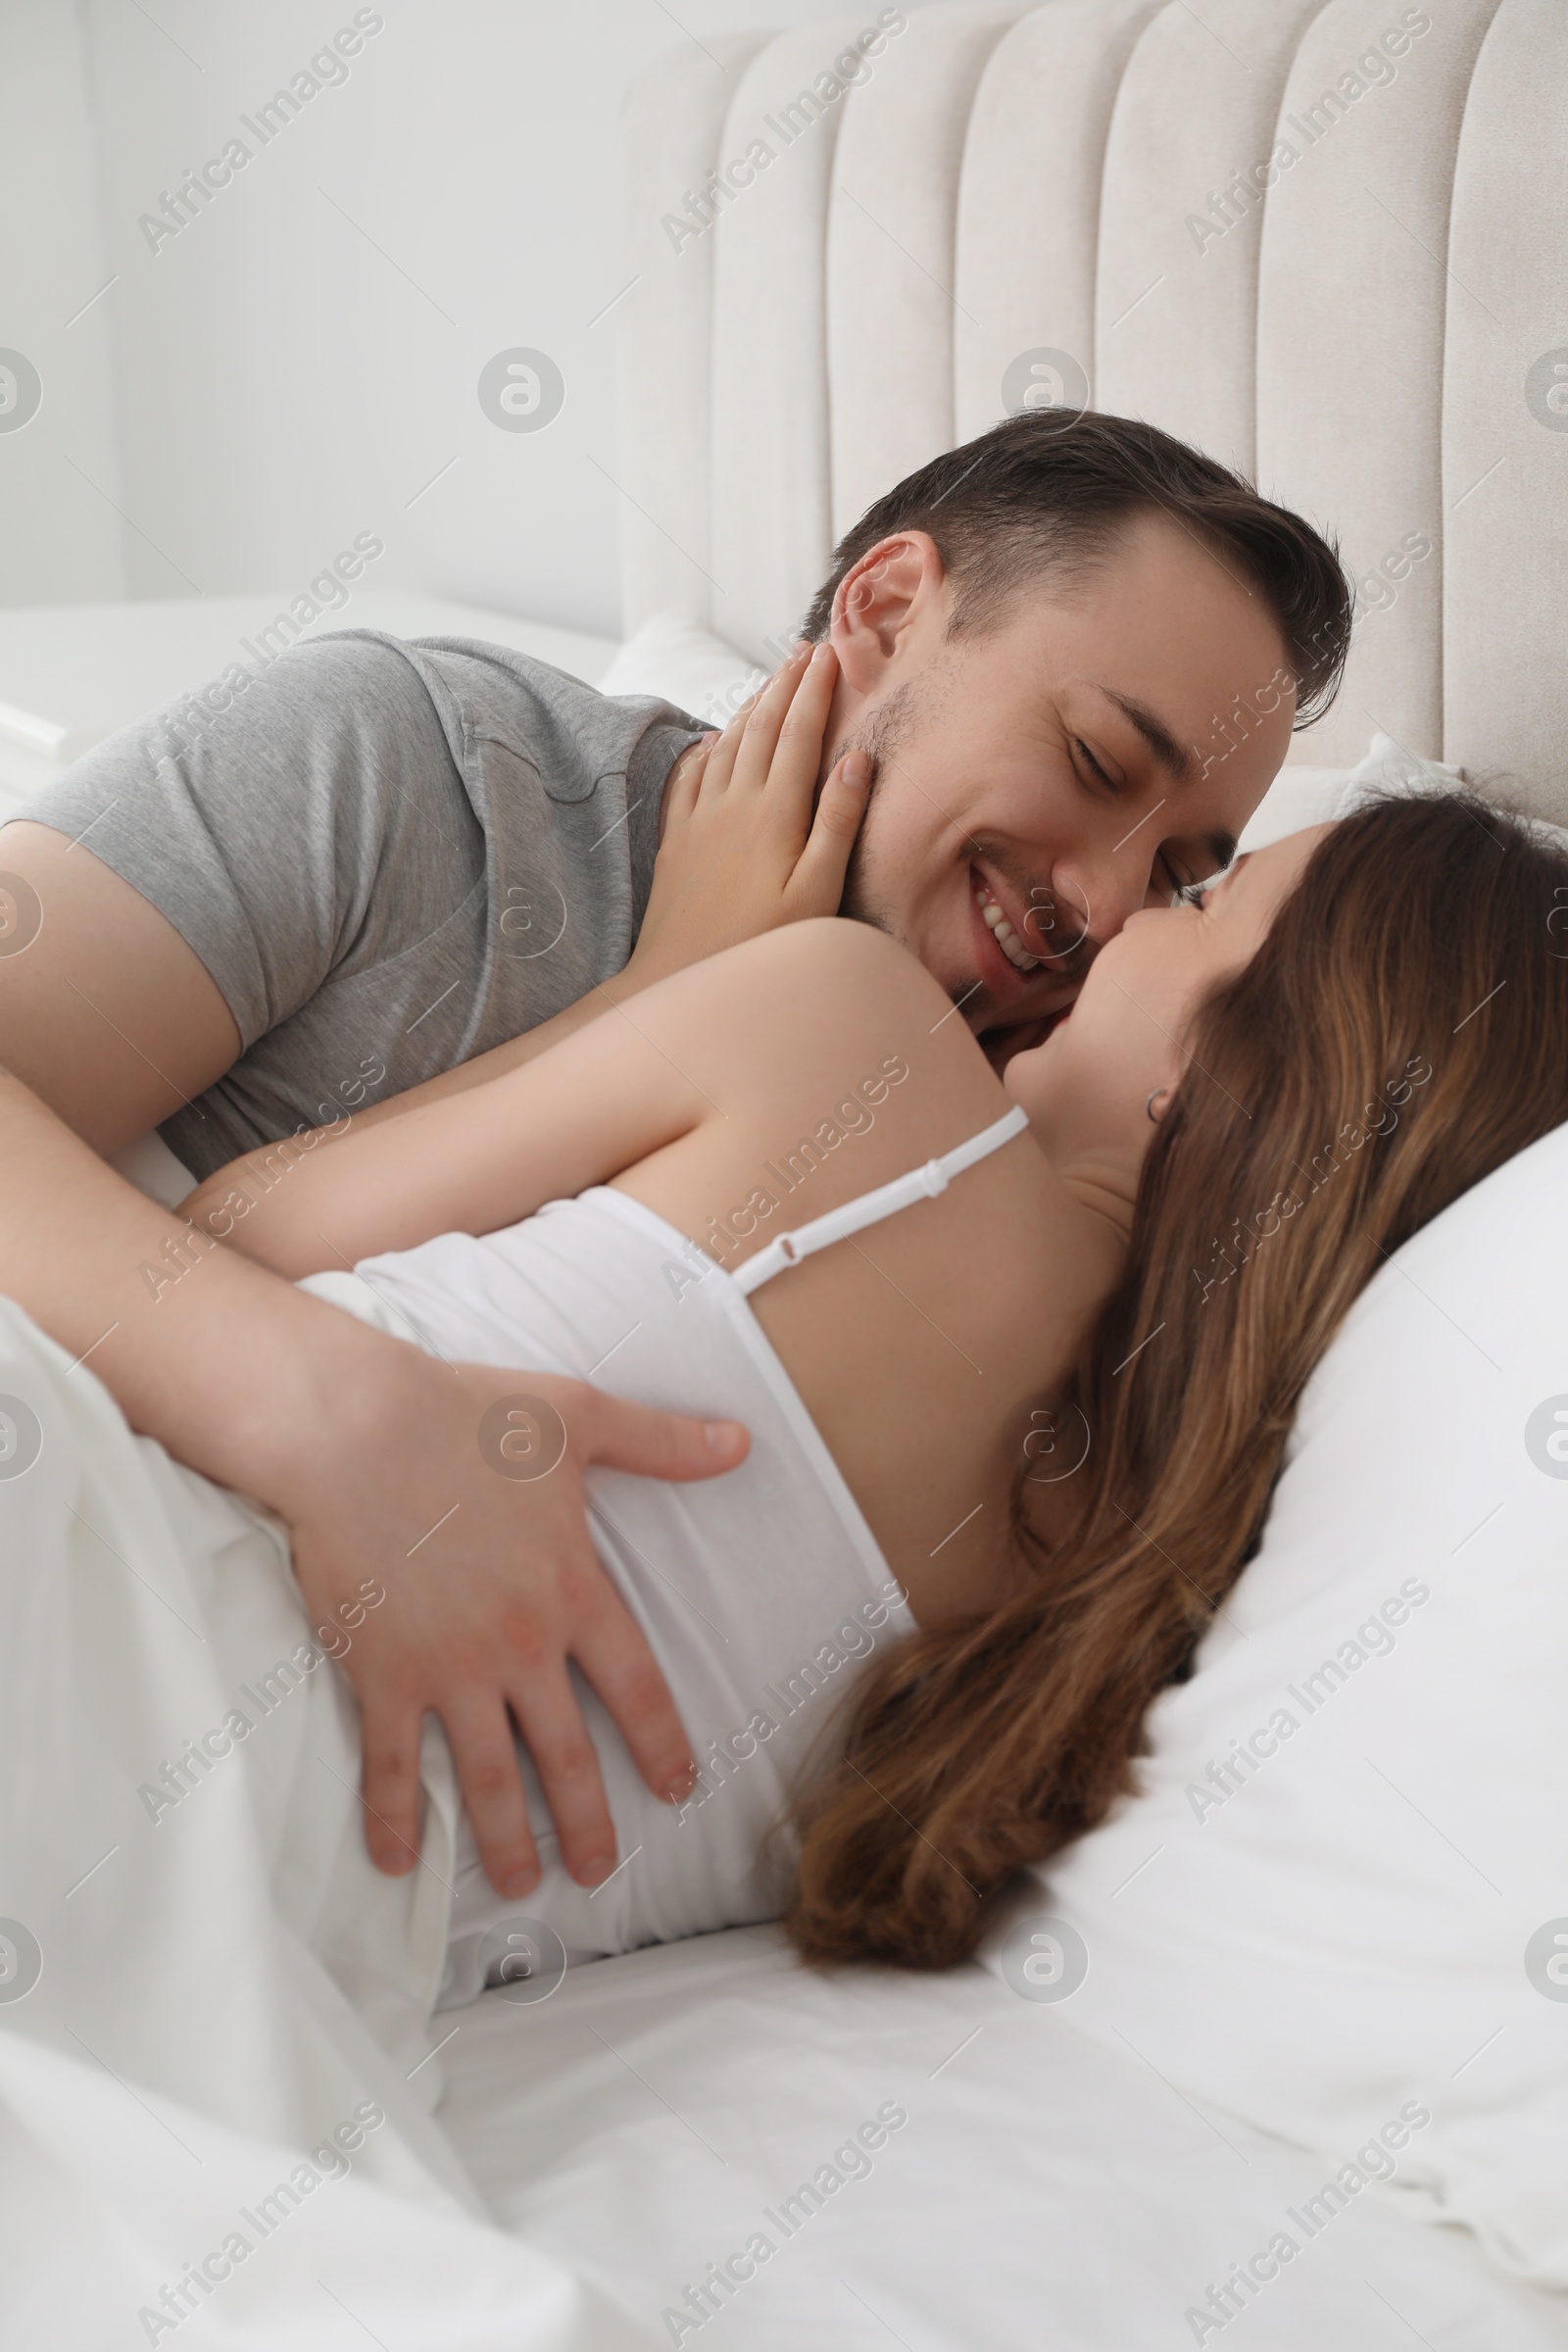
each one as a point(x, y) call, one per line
point(1173, 757)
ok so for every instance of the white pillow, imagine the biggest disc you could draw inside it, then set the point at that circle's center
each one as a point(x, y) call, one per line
point(1311, 795)
point(1372, 1920)
point(686, 664)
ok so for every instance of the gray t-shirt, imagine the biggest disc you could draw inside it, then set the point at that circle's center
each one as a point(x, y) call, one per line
point(389, 856)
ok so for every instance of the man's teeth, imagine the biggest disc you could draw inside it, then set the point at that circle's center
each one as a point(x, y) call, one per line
point(1006, 937)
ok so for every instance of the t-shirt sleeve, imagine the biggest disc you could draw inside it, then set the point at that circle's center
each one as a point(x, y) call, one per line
point(285, 821)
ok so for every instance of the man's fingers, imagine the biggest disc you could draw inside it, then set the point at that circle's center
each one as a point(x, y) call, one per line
point(652, 1443)
point(389, 1782)
point(819, 875)
point(614, 1656)
point(479, 1734)
point(567, 1764)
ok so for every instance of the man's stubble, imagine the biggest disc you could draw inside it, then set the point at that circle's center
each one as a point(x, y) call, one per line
point(867, 897)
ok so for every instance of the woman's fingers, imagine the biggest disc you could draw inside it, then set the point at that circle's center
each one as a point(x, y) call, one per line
point(685, 783)
point(796, 758)
point(755, 759)
point(755, 724)
point(720, 764)
point(817, 884)
point(785, 716)
point(761, 847)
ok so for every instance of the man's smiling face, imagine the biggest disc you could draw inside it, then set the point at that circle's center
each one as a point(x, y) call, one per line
point(1040, 778)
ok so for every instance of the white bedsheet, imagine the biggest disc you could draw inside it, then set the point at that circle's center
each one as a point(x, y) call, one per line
point(1044, 2194)
point(186, 2048)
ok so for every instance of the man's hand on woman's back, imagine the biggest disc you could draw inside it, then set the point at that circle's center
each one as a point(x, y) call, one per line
point(460, 1489)
point(361, 1445)
point(374, 1453)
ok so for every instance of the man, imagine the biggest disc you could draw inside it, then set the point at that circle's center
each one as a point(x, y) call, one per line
point(1067, 660)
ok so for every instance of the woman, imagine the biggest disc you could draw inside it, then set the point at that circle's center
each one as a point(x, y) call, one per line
point(1402, 1033)
point(787, 1187)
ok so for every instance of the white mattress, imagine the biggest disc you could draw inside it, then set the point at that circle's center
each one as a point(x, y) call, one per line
point(1045, 2192)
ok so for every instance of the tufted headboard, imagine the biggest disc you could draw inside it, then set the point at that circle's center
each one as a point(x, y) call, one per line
point(1326, 243)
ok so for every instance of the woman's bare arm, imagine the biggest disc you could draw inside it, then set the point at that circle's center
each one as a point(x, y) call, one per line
point(761, 1029)
point(469, 1162)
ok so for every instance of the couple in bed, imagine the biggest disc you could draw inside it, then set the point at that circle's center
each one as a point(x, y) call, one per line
point(1014, 1307)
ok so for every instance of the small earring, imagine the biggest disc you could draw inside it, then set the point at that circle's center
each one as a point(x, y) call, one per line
point(1149, 1106)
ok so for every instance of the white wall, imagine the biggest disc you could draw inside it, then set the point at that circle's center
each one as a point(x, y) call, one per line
point(60, 534)
point(299, 361)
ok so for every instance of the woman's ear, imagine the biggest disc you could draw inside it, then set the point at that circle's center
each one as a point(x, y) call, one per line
point(891, 590)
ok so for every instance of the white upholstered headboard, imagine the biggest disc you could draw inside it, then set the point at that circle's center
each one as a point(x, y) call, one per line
point(1379, 334)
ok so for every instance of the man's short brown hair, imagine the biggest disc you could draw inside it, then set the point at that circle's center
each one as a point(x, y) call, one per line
point(1046, 494)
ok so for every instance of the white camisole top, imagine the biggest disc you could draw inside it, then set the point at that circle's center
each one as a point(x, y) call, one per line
point(761, 1593)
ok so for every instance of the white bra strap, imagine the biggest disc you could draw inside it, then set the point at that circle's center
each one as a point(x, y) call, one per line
point(920, 1184)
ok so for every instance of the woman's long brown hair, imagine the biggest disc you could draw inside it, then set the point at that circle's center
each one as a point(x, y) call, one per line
point(1401, 1032)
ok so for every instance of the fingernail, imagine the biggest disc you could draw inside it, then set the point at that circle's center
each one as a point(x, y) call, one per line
point(821, 653)
point(857, 769)
point(722, 1436)
point(681, 1787)
point(598, 1868)
point(521, 1882)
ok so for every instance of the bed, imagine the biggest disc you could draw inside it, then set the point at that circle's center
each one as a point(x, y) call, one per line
point(1374, 335)
point(1046, 2191)
point(987, 203)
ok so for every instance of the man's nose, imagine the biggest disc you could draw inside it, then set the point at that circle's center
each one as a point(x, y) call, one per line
point(1097, 895)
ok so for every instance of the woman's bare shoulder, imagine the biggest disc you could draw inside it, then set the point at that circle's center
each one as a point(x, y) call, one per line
point(827, 970)
point(817, 1003)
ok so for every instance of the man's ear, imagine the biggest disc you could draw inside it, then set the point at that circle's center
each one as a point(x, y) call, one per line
point(893, 589)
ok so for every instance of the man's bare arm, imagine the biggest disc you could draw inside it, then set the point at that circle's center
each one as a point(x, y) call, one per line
point(106, 1014)
point(361, 1442)
point(366, 1447)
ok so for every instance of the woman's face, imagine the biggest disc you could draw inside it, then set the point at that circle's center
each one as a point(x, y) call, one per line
point(1088, 1086)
